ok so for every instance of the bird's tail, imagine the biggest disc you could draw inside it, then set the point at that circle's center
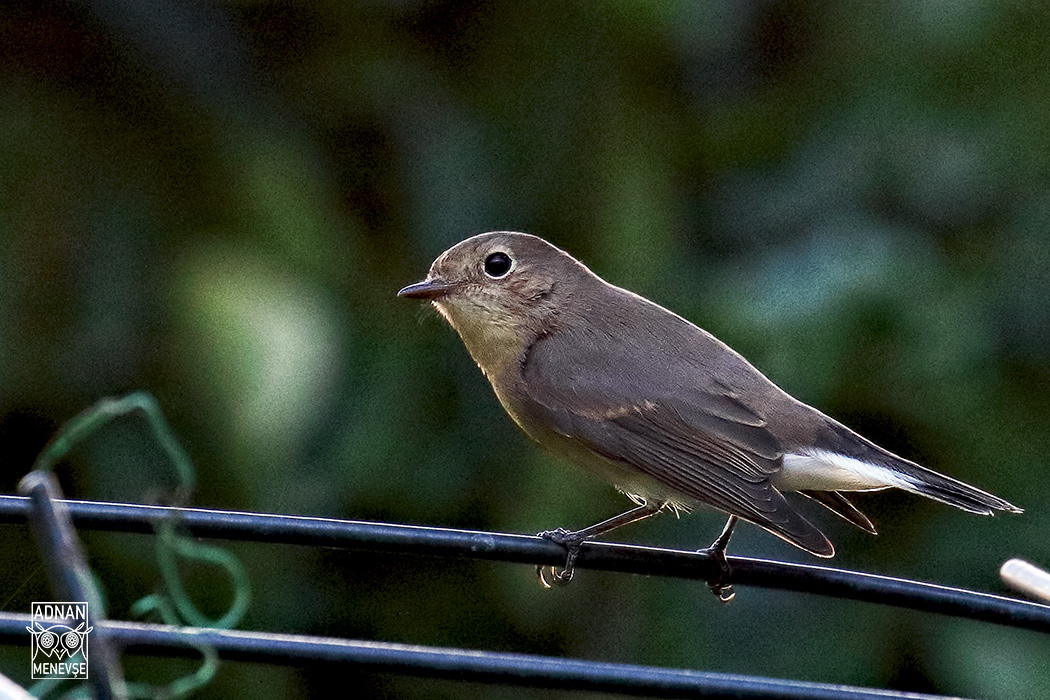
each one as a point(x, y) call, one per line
point(926, 482)
point(913, 477)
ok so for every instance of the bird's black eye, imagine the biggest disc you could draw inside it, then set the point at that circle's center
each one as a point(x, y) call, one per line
point(498, 265)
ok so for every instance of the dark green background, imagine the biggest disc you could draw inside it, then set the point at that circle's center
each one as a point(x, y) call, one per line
point(217, 201)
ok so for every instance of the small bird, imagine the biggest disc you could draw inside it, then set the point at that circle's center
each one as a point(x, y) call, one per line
point(642, 398)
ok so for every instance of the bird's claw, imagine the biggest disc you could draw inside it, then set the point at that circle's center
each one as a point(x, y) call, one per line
point(571, 541)
point(557, 578)
point(724, 592)
point(721, 585)
point(561, 536)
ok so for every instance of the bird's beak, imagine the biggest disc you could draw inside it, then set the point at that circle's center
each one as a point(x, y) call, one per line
point(427, 289)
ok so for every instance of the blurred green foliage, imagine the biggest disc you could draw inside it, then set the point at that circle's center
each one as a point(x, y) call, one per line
point(216, 202)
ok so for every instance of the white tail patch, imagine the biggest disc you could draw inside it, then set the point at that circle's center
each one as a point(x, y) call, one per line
point(822, 470)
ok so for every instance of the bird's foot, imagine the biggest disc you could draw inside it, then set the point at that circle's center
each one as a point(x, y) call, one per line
point(571, 541)
point(722, 584)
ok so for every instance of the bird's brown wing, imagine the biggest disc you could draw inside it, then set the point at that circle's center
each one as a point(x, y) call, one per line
point(698, 441)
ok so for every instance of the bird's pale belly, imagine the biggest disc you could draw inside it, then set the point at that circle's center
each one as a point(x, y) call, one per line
point(633, 482)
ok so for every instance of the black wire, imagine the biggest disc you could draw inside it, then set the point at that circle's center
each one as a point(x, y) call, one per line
point(464, 665)
point(410, 539)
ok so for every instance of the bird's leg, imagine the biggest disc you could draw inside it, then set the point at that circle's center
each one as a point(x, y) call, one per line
point(572, 541)
point(722, 586)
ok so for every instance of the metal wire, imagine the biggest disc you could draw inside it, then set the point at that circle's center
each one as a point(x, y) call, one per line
point(465, 665)
point(409, 539)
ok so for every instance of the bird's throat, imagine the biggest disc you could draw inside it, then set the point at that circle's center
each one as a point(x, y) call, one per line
point(492, 343)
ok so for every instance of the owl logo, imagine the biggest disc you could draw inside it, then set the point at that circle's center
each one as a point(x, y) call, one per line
point(59, 640)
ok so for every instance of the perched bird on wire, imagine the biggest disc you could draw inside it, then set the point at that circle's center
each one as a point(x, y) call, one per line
point(660, 408)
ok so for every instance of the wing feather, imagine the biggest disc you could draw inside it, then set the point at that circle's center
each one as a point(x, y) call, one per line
point(699, 441)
